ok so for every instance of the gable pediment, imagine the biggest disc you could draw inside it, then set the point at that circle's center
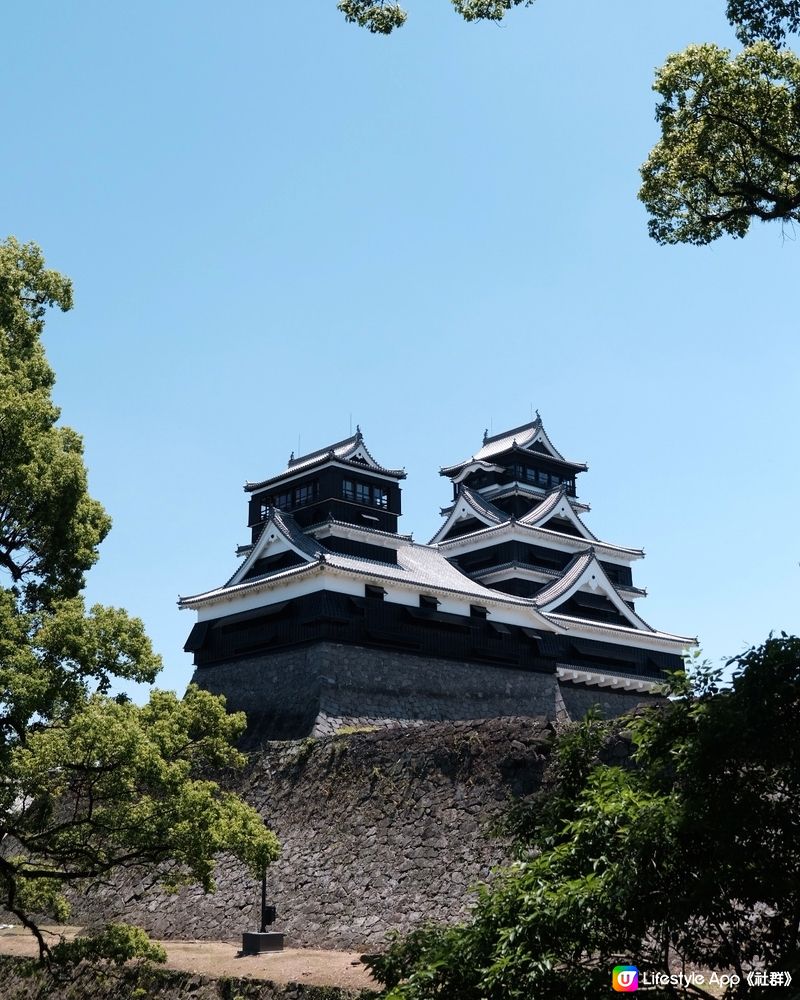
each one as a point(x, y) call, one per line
point(585, 576)
point(554, 508)
point(279, 546)
point(469, 506)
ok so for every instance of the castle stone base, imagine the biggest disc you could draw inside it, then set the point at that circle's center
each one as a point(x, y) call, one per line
point(317, 689)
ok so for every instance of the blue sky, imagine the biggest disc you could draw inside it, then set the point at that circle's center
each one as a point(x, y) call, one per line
point(277, 223)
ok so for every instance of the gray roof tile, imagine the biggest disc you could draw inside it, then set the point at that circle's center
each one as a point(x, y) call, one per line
point(342, 451)
point(522, 437)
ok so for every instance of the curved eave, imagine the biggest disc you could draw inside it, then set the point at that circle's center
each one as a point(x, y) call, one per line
point(508, 569)
point(468, 467)
point(607, 679)
point(526, 490)
point(487, 597)
point(461, 469)
point(483, 510)
point(398, 473)
point(541, 574)
point(551, 506)
point(347, 446)
point(334, 522)
point(668, 639)
point(516, 449)
point(302, 466)
point(286, 528)
point(569, 579)
point(525, 436)
point(546, 532)
point(576, 576)
point(266, 582)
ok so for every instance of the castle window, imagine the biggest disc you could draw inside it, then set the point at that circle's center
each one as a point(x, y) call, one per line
point(374, 593)
point(306, 494)
point(348, 489)
point(380, 497)
point(283, 501)
point(477, 611)
point(428, 603)
point(362, 493)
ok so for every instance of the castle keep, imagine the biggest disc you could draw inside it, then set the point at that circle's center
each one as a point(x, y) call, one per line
point(513, 608)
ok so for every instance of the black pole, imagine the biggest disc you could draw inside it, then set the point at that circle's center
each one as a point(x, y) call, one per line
point(264, 902)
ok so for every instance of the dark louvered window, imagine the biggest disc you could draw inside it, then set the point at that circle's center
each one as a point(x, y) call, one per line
point(306, 494)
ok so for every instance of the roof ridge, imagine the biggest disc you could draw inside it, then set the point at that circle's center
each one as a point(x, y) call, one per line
point(351, 439)
point(476, 499)
point(579, 562)
point(537, 423)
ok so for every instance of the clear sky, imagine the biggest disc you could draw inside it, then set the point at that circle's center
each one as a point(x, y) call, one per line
point(277, 223)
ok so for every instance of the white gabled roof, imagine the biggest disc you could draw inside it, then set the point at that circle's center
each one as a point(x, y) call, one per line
point(556, 504)
point(525, 437)
point(590, 628)
point(482, 537)
point(351, 450)
point(424, 568)
point(470, 504)
point(536, 494)
point(279, 534)
point(476, 466)
point(585, 573)
point(419, 567)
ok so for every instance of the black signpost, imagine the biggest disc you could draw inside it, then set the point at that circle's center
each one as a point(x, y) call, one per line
point(255, 942)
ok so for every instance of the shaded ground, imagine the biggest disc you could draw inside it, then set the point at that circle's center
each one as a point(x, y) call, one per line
point(221, 958)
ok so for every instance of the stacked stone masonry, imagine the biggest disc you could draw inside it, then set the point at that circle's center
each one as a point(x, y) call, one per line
point(314, 690)
point(380, 831)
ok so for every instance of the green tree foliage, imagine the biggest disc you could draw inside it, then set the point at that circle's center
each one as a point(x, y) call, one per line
point(116, 943)
point(378, 16)
point(383, 16)
point(730, 143)
point(49, 525)
point(689, 856)
point(771, 20)
point(729, 151)
point(89, 783)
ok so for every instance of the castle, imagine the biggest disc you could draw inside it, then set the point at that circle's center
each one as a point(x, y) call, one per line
point(514, 607)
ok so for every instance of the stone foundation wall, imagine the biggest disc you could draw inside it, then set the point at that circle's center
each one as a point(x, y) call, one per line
point(373, 686)
point(280, 692)
point(578, 699)
point(380, 830)
point(314, 690)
